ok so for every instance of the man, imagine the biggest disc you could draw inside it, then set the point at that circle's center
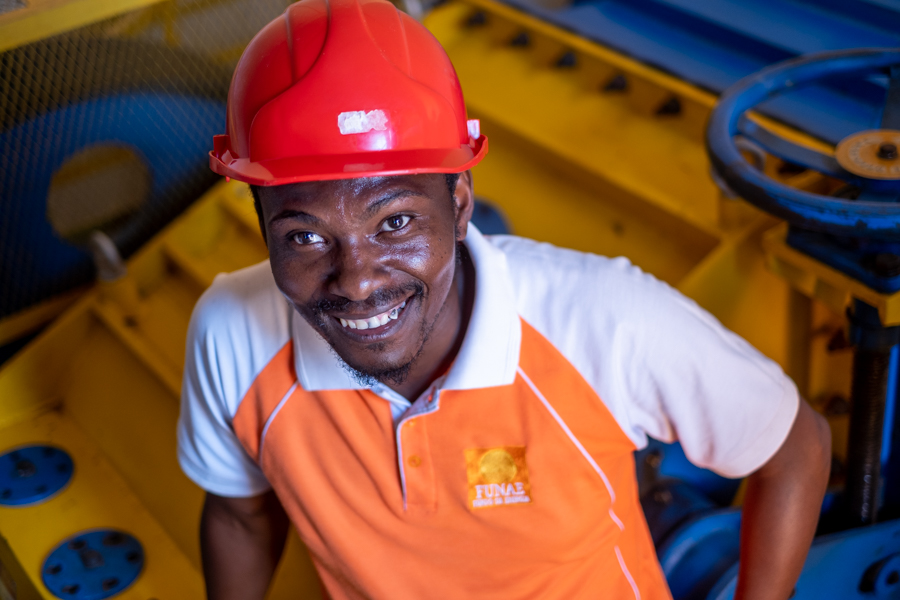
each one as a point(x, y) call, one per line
point(443, 415)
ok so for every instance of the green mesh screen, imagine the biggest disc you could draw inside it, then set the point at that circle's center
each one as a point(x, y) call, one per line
point(107, 128)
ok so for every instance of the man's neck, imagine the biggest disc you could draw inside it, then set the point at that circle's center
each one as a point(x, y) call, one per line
point(435, 361)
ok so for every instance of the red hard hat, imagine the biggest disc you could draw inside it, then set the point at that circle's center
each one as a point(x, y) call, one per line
point(334, 89)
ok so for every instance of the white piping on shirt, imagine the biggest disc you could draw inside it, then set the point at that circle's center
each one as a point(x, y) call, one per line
point(262, 437)
point(634, 587)
point(594, 465)
point(565, 428)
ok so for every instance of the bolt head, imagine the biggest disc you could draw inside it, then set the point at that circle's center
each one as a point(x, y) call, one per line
point(663, 496)
point(654, 460)
point(887, 264)
point(25, 468)
point(887, 151)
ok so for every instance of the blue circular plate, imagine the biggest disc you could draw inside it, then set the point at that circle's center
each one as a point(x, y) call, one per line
point(93, 565)
point(32, 474)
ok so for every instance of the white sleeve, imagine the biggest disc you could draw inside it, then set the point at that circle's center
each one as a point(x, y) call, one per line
point(220, 362)
point(683, 376)
point(662, 365)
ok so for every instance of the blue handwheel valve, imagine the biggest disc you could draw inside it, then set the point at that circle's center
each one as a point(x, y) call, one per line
point(856, 230)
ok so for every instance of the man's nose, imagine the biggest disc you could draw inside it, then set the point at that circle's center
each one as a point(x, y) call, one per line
point(358, 271)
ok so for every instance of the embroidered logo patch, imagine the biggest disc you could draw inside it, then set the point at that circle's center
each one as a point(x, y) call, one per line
point(497, 476)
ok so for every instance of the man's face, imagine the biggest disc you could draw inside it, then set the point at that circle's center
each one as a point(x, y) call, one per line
point(370, 264)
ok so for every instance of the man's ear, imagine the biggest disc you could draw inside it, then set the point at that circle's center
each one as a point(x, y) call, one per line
point(464, 198)
point(257, 204)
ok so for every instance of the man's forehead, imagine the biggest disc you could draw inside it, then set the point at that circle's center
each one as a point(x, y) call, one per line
point(355, 188)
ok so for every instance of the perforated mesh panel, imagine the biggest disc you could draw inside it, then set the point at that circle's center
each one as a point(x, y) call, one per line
point(136, 96)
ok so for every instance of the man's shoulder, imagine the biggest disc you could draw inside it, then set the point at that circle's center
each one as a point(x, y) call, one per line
point(585, 304)
point(526, 252)
point(557, 279)
point(244, 304)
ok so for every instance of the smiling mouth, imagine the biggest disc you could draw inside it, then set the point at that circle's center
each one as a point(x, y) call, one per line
point(378, 320)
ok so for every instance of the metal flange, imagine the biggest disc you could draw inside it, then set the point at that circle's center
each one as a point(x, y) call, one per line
point(93, 565)
point(33, 474)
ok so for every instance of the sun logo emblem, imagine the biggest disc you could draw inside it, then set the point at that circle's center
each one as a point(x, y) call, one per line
point(497, 477)
point(497, 466)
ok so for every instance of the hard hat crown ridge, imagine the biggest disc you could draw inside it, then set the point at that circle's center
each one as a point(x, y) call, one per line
point(335, 89)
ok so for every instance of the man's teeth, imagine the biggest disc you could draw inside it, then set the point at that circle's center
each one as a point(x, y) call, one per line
point(373, 322)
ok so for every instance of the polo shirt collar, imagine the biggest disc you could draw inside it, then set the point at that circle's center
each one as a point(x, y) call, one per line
point(489, 353)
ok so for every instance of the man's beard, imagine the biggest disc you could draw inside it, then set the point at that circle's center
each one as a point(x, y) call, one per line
point(369, 375)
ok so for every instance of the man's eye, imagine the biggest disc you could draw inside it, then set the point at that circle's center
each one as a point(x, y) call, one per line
point(396, 222)
point(307, 237)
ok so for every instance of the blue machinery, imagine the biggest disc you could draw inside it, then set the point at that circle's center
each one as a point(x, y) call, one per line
point(714, 43)
point(857, 233)
point(164, 122)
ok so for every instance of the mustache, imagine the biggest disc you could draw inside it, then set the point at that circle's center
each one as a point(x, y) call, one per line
point(380, 298)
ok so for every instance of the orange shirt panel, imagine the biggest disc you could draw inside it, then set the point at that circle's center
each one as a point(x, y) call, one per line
point(518, 491)
point(268, 389)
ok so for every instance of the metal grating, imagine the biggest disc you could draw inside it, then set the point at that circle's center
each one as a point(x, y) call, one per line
point(112, 122)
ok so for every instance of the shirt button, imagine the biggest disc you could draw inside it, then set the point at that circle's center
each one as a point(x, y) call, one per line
point(414, 461)
point(410, 423)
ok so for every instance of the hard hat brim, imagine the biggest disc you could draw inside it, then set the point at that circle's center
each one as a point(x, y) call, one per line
point(296, 169)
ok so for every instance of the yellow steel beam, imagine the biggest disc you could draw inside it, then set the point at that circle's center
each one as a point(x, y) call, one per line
point(14, 581)
point(32, 318)
point(39, 19)
point(822, 282)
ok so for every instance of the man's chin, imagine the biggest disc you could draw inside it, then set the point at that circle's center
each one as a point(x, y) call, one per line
point(370, 374)
point(387, 358)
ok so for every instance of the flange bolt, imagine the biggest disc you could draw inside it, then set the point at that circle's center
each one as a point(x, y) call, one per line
point(25, 468)
point(887, 151)
point(887, 265)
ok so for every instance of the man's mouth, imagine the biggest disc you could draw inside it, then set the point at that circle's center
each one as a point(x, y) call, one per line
point(378, 320)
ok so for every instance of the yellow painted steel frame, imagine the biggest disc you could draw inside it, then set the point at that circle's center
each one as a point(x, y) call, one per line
point(103, 382)
point(569, 163)
point(820, 281)
point(33, 318)
point(607, 171)
point(39, 19)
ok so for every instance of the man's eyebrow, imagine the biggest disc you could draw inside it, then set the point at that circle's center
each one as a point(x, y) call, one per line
point(295, 214)
point(377, 204)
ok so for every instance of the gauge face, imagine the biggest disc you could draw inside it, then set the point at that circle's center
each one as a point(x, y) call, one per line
point(874, 154)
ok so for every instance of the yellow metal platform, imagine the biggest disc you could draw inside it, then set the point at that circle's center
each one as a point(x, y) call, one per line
point(103, 382)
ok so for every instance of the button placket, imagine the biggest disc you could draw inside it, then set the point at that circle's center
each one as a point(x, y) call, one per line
point(415, 456)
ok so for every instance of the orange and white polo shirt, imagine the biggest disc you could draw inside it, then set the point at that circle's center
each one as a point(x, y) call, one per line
point(513, 475)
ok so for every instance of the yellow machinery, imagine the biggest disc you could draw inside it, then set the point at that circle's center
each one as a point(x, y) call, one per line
point(576, 159)
point(581, 162)
point(103, 383)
